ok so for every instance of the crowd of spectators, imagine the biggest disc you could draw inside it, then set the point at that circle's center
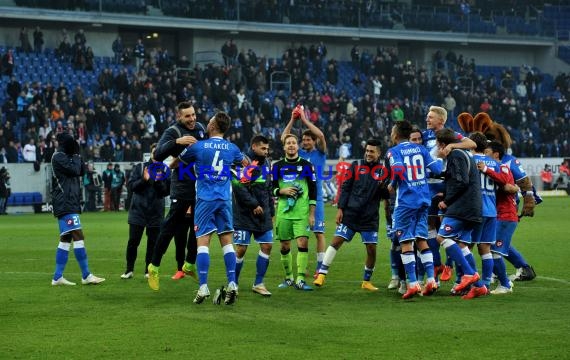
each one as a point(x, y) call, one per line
point(79, 53)
point(134, 105)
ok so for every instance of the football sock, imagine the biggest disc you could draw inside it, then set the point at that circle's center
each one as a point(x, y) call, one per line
point(420, 270)
point(261, 266)
point(61, 256)
point(394, 256)
point(434, 247)
point(286, 261)
point(409, 261)
point(302, 261)
point(367, 273)
point(454, 251)
point(469, 257)
point(500, 270)
point(471, 260)
point(239, 265)
point(327, 260)
point(487, 269)
point(400, 271)
point(448, 261)
point(320, 257)
point(203, 264)
point(230, 261)
point(516, 258)
point(81, 257)
point(426, 257)
point(458, 272)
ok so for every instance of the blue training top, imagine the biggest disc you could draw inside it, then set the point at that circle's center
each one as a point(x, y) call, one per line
point(212, 160)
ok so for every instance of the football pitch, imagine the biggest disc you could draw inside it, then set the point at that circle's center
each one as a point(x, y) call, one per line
point(124, 319)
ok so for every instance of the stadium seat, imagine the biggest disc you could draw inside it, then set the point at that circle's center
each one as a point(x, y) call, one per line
point(37, 198)
point(27, 199)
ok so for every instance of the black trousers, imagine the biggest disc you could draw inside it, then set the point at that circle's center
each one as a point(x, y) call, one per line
point(115, 198)
point(180, 225)
point(91, 205)
point(135, 236)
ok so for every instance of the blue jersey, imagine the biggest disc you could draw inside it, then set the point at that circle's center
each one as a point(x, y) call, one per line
point(514, 164)
point(319, 160)
point(212, 160)
point(408, 167)
point(488, 195)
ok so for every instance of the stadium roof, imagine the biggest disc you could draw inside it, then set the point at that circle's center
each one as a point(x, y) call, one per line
point(99, 19)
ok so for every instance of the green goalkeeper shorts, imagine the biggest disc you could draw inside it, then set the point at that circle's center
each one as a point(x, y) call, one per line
point(287, 229)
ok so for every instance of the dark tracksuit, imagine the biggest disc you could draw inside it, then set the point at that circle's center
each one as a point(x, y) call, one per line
point(462, 188)
point(247, 197)
point(360, 198)
point(146, 210)
point(66, 186)
point(183, 196)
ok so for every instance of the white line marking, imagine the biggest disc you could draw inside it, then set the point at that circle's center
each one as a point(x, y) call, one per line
point(561, 281)
point(554, 279)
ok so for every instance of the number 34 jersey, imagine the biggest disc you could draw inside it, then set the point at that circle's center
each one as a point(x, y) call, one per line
point(212, 160)
point(408, 168)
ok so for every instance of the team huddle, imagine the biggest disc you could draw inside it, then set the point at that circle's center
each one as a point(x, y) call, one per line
point(439, 189)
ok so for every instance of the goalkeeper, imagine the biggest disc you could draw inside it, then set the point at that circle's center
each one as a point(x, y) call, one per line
point(295, 184)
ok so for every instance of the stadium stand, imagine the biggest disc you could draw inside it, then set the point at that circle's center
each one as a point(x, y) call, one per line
point(114, 98)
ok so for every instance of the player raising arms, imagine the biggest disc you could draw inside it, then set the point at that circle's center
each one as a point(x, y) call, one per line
point(314, 149)
point(408, 167)
point(212, 159)
point(358, 211)
point(294, 184)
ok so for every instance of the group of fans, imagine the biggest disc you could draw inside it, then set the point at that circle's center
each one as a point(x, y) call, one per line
point(439, 189)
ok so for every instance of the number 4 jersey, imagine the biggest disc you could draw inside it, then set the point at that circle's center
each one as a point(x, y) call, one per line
point(212, 160)
point(408, 171)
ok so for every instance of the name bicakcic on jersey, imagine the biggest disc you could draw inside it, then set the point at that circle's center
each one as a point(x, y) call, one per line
point(344, 171)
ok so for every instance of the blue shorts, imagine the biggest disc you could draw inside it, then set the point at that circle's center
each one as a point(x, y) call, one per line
point(243, 237)
point(456, 229)
point(367, 237)
point(410, 223)
point(485, 232)
point(319, 217)
point(68, 223)
point(213, 216)
point(505, 231)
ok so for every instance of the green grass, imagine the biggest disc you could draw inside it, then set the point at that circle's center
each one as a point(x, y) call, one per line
point(126, 320)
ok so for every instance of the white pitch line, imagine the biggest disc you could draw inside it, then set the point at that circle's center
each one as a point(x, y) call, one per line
point(554, 279)
point(561, 281)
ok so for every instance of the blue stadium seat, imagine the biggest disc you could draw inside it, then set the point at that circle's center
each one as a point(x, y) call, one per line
point(37, 198)
point(27, 199)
